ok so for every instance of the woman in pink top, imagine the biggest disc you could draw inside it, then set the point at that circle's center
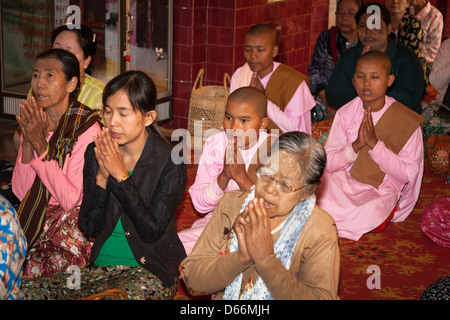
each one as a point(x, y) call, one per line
point(48, 175)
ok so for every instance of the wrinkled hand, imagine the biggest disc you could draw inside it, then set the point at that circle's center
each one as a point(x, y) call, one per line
point(33, 125)
point(109, 156)
point(244, 257)
point(253, 230)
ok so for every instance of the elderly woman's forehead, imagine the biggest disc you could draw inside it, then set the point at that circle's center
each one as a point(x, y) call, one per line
point(284, 160)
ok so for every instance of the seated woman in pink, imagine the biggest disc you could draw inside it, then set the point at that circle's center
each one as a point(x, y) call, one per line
point(374, 155)
point(48, 175)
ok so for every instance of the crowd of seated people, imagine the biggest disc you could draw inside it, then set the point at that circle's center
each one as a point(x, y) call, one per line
point(98, 187)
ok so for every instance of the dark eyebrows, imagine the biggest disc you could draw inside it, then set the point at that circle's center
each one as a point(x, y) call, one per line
point(45, 70)
point(240, 117)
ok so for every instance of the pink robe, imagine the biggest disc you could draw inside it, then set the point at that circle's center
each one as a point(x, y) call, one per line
point(205, 192)
point(297, 113)
point(357, 207)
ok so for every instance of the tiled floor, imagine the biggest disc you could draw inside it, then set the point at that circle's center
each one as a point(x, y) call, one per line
point(7, 129)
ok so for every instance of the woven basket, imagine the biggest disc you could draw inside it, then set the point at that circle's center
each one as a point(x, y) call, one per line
point(206, 109)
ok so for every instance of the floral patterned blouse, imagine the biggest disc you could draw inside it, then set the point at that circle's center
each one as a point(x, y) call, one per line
point(410, 33)
point(433, 25)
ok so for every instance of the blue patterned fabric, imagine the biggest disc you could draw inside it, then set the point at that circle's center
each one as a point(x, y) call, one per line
point(13, 246)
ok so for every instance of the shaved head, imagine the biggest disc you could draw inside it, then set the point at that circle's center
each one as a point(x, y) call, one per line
point(264, 29)
point(378, 56)
point(251, 96)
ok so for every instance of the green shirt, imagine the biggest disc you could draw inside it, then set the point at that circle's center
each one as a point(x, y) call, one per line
point(116, 251)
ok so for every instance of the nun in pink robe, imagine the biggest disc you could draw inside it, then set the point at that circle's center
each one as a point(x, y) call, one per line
point(357, 207)
point(297, 113)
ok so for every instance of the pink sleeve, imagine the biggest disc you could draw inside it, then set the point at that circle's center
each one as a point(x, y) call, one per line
point(340, 153)
point(23, 176)
point(205, 192)
point(296, 115)
point(66, 184)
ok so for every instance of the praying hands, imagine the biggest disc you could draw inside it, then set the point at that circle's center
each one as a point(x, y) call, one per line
point(256, 82)
point(253, 232)
point(109, 158)
point(33, 126)
point(366, 133)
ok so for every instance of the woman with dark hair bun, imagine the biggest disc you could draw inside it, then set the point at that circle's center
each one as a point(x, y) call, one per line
point(130, 194)
point(82, 43)
point(55, 132)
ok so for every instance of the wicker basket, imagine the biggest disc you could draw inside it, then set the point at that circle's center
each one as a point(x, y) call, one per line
point(206, 109)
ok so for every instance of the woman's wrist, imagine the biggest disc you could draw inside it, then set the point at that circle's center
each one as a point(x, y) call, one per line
point(101, 180)
point(125, 176)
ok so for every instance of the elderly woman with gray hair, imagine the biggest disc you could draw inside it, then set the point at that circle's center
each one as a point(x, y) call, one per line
point(272, 242)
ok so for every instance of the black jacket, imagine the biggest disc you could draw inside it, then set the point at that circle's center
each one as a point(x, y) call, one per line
point(146, 202)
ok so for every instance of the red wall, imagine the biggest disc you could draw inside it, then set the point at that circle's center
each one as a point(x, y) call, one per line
point(210, 34)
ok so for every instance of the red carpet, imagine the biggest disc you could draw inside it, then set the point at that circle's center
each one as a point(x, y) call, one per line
point(408, 261)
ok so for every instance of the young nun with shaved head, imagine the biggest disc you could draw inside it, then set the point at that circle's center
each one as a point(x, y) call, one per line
point(229, 158)
point(374, 155)
point(289, 101)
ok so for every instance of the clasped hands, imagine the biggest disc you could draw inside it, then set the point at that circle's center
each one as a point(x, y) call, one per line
point(256, 82)
point(366, 133)
point(109, 158)
point(34, 128)
point(253, 232)
point(234, 168)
